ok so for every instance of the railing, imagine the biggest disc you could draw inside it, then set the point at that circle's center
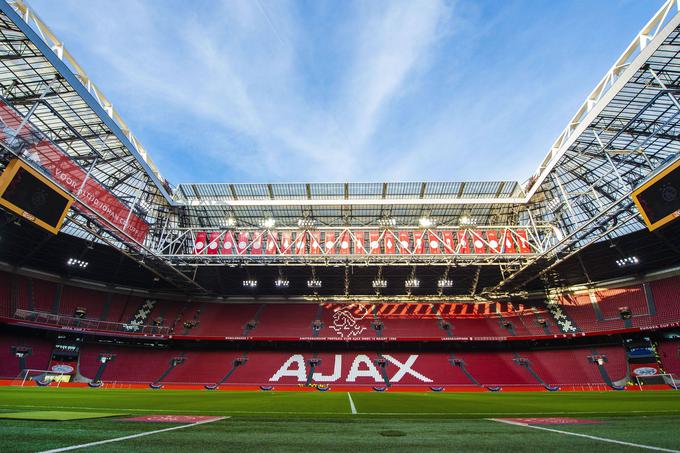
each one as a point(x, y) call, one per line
point(89, 324)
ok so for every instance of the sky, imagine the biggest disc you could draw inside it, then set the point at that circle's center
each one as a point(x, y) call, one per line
point(335, 91)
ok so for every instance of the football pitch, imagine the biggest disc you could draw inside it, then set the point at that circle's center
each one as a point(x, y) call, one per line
point(45, 419)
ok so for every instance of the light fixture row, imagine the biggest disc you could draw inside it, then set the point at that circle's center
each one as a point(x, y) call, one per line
point(628, 261)
point(377, 283)
point(75, 262)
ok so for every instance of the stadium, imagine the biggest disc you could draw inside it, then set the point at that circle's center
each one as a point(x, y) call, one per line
point(461, 315)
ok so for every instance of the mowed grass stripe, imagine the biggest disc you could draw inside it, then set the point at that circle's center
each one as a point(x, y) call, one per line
point(482, 405)
point(131, 436)
point(587, 436)
point(395, 414)
point(335, 434)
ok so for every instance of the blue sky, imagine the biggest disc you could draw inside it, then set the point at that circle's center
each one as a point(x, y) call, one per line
point(293, 91)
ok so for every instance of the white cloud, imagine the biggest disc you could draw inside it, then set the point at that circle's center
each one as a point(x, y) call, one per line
point(391, 43)
point(264, 90)
point(234, 69)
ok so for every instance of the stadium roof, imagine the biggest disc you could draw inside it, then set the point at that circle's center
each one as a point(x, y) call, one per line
point(625, 131)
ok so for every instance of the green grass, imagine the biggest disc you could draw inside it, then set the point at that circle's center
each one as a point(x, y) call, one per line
point(57, 415)
point(301, 421)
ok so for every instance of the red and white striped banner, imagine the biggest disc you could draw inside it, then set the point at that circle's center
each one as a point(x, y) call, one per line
point(347, 242)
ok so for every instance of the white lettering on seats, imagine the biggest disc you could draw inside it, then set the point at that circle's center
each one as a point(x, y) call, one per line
point(369, 371)
point(337, 371)
point(405, 368)
point(300, 373)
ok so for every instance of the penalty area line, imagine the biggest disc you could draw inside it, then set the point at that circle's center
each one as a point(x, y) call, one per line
point(351, 404)
point(133, 436)
point(586, 436)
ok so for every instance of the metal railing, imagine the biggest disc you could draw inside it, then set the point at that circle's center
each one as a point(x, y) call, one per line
point(89, 324)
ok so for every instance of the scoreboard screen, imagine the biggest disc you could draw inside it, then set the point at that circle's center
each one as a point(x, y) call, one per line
point(658, 200)
point(31, 195)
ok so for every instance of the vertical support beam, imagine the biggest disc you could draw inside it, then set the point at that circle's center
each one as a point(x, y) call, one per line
point(475, 281)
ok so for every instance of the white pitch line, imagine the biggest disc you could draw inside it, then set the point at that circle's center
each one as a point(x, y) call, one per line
point(351, 404)
point(118, 439)
point(586, 436)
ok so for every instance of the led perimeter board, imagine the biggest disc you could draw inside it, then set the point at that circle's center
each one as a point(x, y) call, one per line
point(658, 199)
point(31, 195)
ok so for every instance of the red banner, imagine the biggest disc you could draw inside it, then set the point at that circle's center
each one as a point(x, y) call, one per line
point(256, 248)
point(385, 242)
point(492, 239)
point(463, 243)
point(315, 243)
point(448, 242)
point(419, 242)
point(330, 242)
point(213, 243)
point(73, 178)
point(300, 243)
point(390, 243)
point(478, 242)
point(374, 242)
point(286, 242)
point(359, 243)
point(435, 245)
point(524, 246)
point(242, 243)
point(272, 246)
point(199, 243)
point(344, 243)
point(404, 242)
point(508, 243)
point(228, 245)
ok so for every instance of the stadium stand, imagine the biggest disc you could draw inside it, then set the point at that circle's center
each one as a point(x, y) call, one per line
point(38, 358)
point(669, 354)
point(554, 367)
point(666, 294)
point(591, 311)
point(596, 311)
point(286, 320)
